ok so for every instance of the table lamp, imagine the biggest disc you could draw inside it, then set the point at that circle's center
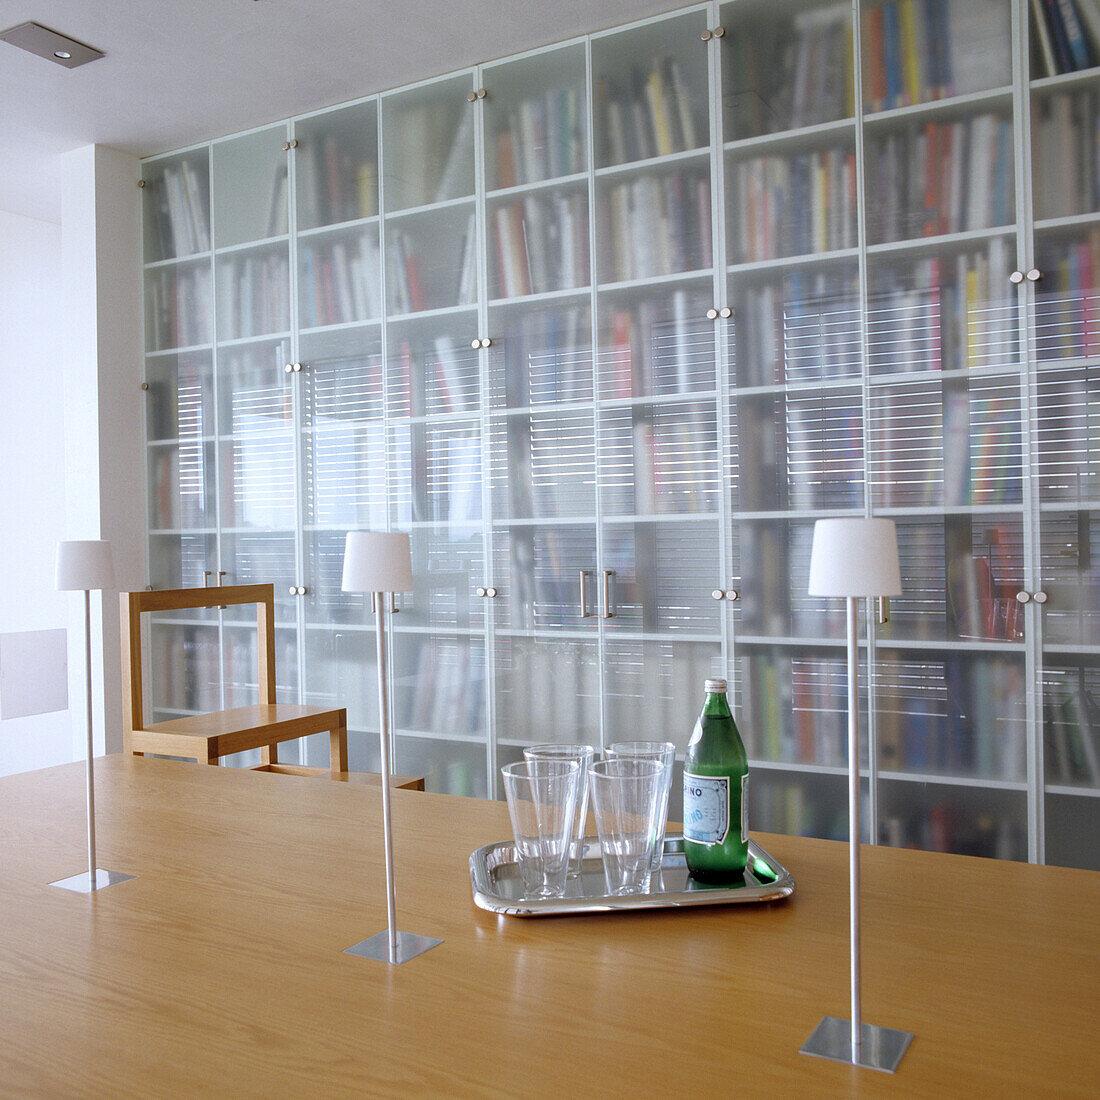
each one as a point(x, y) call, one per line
point(83, 566)
point(381, 564)
point(855, 558)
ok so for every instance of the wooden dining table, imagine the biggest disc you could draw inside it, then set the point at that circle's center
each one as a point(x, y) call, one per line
point(220, 969)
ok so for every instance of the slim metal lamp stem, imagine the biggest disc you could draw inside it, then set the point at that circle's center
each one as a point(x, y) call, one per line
point(384, 745)
point(89, 774)
point(853, 819)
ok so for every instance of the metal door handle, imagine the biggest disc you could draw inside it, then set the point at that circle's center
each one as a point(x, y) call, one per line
point(607, 611)
point(584, 575)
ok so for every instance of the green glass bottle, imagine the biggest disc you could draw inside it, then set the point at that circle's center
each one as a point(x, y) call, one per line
point(716, 775)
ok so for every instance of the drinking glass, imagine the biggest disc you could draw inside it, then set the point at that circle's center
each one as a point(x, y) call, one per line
point(583, 755)
point(625, 794)
point(541, 800)
point(664, 752)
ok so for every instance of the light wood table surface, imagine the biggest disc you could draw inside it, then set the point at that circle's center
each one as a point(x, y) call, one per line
point(219, 971)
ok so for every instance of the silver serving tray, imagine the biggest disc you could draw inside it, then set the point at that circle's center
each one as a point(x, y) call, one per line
point(497, 886)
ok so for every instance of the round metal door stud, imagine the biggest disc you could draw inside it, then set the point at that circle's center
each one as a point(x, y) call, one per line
point(481, 591)
point(1034, 275)
point(293, 591)
point(490, 592)
point(486, 342)
point(732, 594)
point(725, 311)
point(475, 343)
point(706, 36)
point(145, 385)
point(712, 315)
point(1040, 597)
point(719, 32)
point(471, 96)
point(1016, 277)
point(1023, 597)
point(297, 367)
point(288, 368)
point(717, 594)
point(481, 93)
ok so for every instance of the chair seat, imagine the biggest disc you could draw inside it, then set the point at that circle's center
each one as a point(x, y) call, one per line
point(238, 729)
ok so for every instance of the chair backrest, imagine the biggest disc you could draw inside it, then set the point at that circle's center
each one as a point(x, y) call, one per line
point(133, 604)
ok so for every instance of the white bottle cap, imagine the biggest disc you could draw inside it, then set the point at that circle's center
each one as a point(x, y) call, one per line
point(715, 687)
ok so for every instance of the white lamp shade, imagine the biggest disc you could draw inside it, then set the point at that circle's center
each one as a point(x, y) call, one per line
point(376, 561)
point(84, 565)
point(854, 557)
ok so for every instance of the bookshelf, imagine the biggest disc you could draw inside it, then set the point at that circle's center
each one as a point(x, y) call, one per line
point(606, 340)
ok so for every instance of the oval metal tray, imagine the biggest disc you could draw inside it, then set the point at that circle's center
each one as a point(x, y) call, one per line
point(498, 888)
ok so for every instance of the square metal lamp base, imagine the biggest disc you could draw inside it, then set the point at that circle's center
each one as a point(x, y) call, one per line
point(409, 945)
point(82, 883)
point(881, 1047)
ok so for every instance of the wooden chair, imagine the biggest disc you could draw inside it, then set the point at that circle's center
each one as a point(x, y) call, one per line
point(208, 737)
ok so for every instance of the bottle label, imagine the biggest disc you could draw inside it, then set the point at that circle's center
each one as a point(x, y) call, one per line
point(745, 808)
point(706, 808)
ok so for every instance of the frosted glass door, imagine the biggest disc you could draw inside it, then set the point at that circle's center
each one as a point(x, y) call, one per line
point(1067, 396)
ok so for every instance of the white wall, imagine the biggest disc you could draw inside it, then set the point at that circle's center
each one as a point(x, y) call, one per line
point(103, 369)
point(32, 465)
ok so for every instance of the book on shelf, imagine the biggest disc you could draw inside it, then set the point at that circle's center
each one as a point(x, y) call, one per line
point(656, 225)
point(790, 74)
point(254, 294)
point(541, 138)
point(658, 348)
point(336, 180)
point(790, 206)
point(1066, 129)
point(430, 152)
point(941, 178)
point(646, 113)
point(340, 281)
point(179, 304)
point(541, 244)
point(547, 359)
point(920, 50)
point(180, 208)
point(1066, 35)
point(1071, 718)
point(1067, 308)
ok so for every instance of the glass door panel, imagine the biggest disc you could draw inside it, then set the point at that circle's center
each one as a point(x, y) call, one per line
point(543, 466)
point(946, 442)
point(250, 193)
point(797, 200)
point(182, 560)
point(651, 90)
point(802, 327)
point(538, 241)
point(343, 476)
point(785, 66)
point(937, 177)
point(336, 166)
point(946, 817)
point(428, 132)
point(546, 690)
point(179, 306)
point(657, 343)
point(797, 449)
point(541, 355)
point(1067, 301)
point(536, 118)
point(1065, 175)
point(184, 668)
point(256, 422)
point(440, 714)
point(653, 222)
point(914, 53)
point(176, 206)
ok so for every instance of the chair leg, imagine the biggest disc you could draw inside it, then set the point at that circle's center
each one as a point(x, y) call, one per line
point(269, 754)
point(338, 747)
point(208, 755)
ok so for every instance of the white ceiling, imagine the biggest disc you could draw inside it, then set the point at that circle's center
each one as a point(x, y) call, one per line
point(181, 71)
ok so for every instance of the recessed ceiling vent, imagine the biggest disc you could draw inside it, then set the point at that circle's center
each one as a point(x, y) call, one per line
point(54, 47)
